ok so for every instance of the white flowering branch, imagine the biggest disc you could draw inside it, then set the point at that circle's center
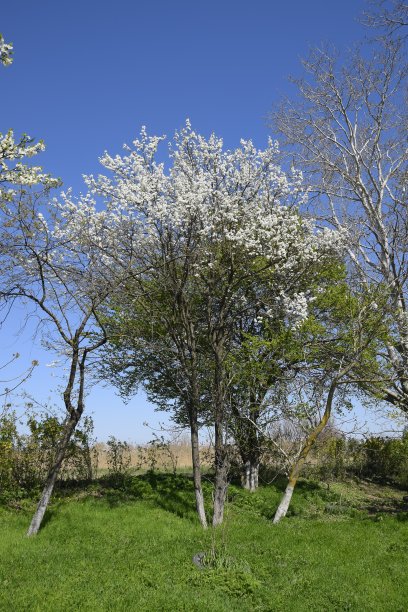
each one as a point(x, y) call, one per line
point(6, 52)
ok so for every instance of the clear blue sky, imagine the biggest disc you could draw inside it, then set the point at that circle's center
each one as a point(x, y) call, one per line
point(86, 75)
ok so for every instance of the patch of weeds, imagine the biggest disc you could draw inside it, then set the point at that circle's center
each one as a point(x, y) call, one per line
point(231, 575)
point(139, 489)
point(261, 504)
point(377, 518)
point(400, 548)
point(218, 559)
point(23, 505)
point(235, 582)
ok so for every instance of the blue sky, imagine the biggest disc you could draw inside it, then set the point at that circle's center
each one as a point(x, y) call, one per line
point(86, 76)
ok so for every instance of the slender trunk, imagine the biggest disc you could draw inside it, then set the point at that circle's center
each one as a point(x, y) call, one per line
point(88, 463)
point(285, 501)
point(36, 521)
point(250, 475)
point(190, 368)
point(248, 441)
point(220, 449)
point(69, 427)
point(250, 455)
point(221, 475)
point(296, 469)
point(195, 454)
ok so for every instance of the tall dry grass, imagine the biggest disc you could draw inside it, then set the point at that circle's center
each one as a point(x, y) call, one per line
point(168, 457)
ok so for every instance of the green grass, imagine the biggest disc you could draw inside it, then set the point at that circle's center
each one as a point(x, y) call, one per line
point(132, 549)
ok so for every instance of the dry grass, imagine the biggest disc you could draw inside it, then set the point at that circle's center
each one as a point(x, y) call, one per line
point(171, 456)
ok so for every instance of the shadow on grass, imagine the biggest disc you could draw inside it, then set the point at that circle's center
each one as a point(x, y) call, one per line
point(171, 492)
point(174, 493)
point(50, 514)
point(399, 508)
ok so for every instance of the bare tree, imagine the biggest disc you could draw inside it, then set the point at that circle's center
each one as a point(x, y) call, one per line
point(53, 265)
point(389, 18)
point(348, 132)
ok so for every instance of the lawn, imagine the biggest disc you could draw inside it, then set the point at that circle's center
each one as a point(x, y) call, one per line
point(132, 548)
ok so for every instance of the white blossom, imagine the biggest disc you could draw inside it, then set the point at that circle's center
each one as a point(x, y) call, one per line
point(241, 199)
point(6, 52)
point(15, 173)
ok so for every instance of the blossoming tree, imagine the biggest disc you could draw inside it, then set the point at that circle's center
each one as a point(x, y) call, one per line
point(214, 222)
point(13, 171)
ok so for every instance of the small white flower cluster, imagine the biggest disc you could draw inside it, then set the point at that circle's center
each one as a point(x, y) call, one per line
point(19, 173)
point(241, 195)
point(6, 52)
point(296, 307)
point(10, 149)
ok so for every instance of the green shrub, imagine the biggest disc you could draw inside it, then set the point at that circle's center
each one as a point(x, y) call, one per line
point(118, 458)
point(387, 459)
point(25, 458)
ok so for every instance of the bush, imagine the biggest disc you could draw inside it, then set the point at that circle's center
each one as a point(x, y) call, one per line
point(335, 457)
point(387, 459)
point(25, 459)
point(118, 458)
point(382, 459)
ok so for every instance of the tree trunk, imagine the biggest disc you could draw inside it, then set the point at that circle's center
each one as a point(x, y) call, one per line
point(221, 476)
point(69, 427)
point(36, 521)
point(250, 475)
point(248, 441)
point(285, 501)
point(294, 474)
point(188, 359)
point(195, 454)
point(220, 449)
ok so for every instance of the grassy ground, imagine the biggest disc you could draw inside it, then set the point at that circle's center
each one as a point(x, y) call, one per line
point(131, 548)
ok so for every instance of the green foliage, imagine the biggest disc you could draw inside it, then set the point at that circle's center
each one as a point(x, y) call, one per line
point(376, 458)
point(157, 448)
point(345, 315)
point(8, 437)
point(387, 459)
point(25, 458)
point(118, 458)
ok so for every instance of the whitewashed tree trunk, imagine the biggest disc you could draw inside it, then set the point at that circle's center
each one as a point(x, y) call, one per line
point(284, 504)
point(311, 439)
point(220, 494)
point(221, 476)
point(51, 478)
point(250, 475)
point(201, 507)
point(68, 429)
point(195, 453)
